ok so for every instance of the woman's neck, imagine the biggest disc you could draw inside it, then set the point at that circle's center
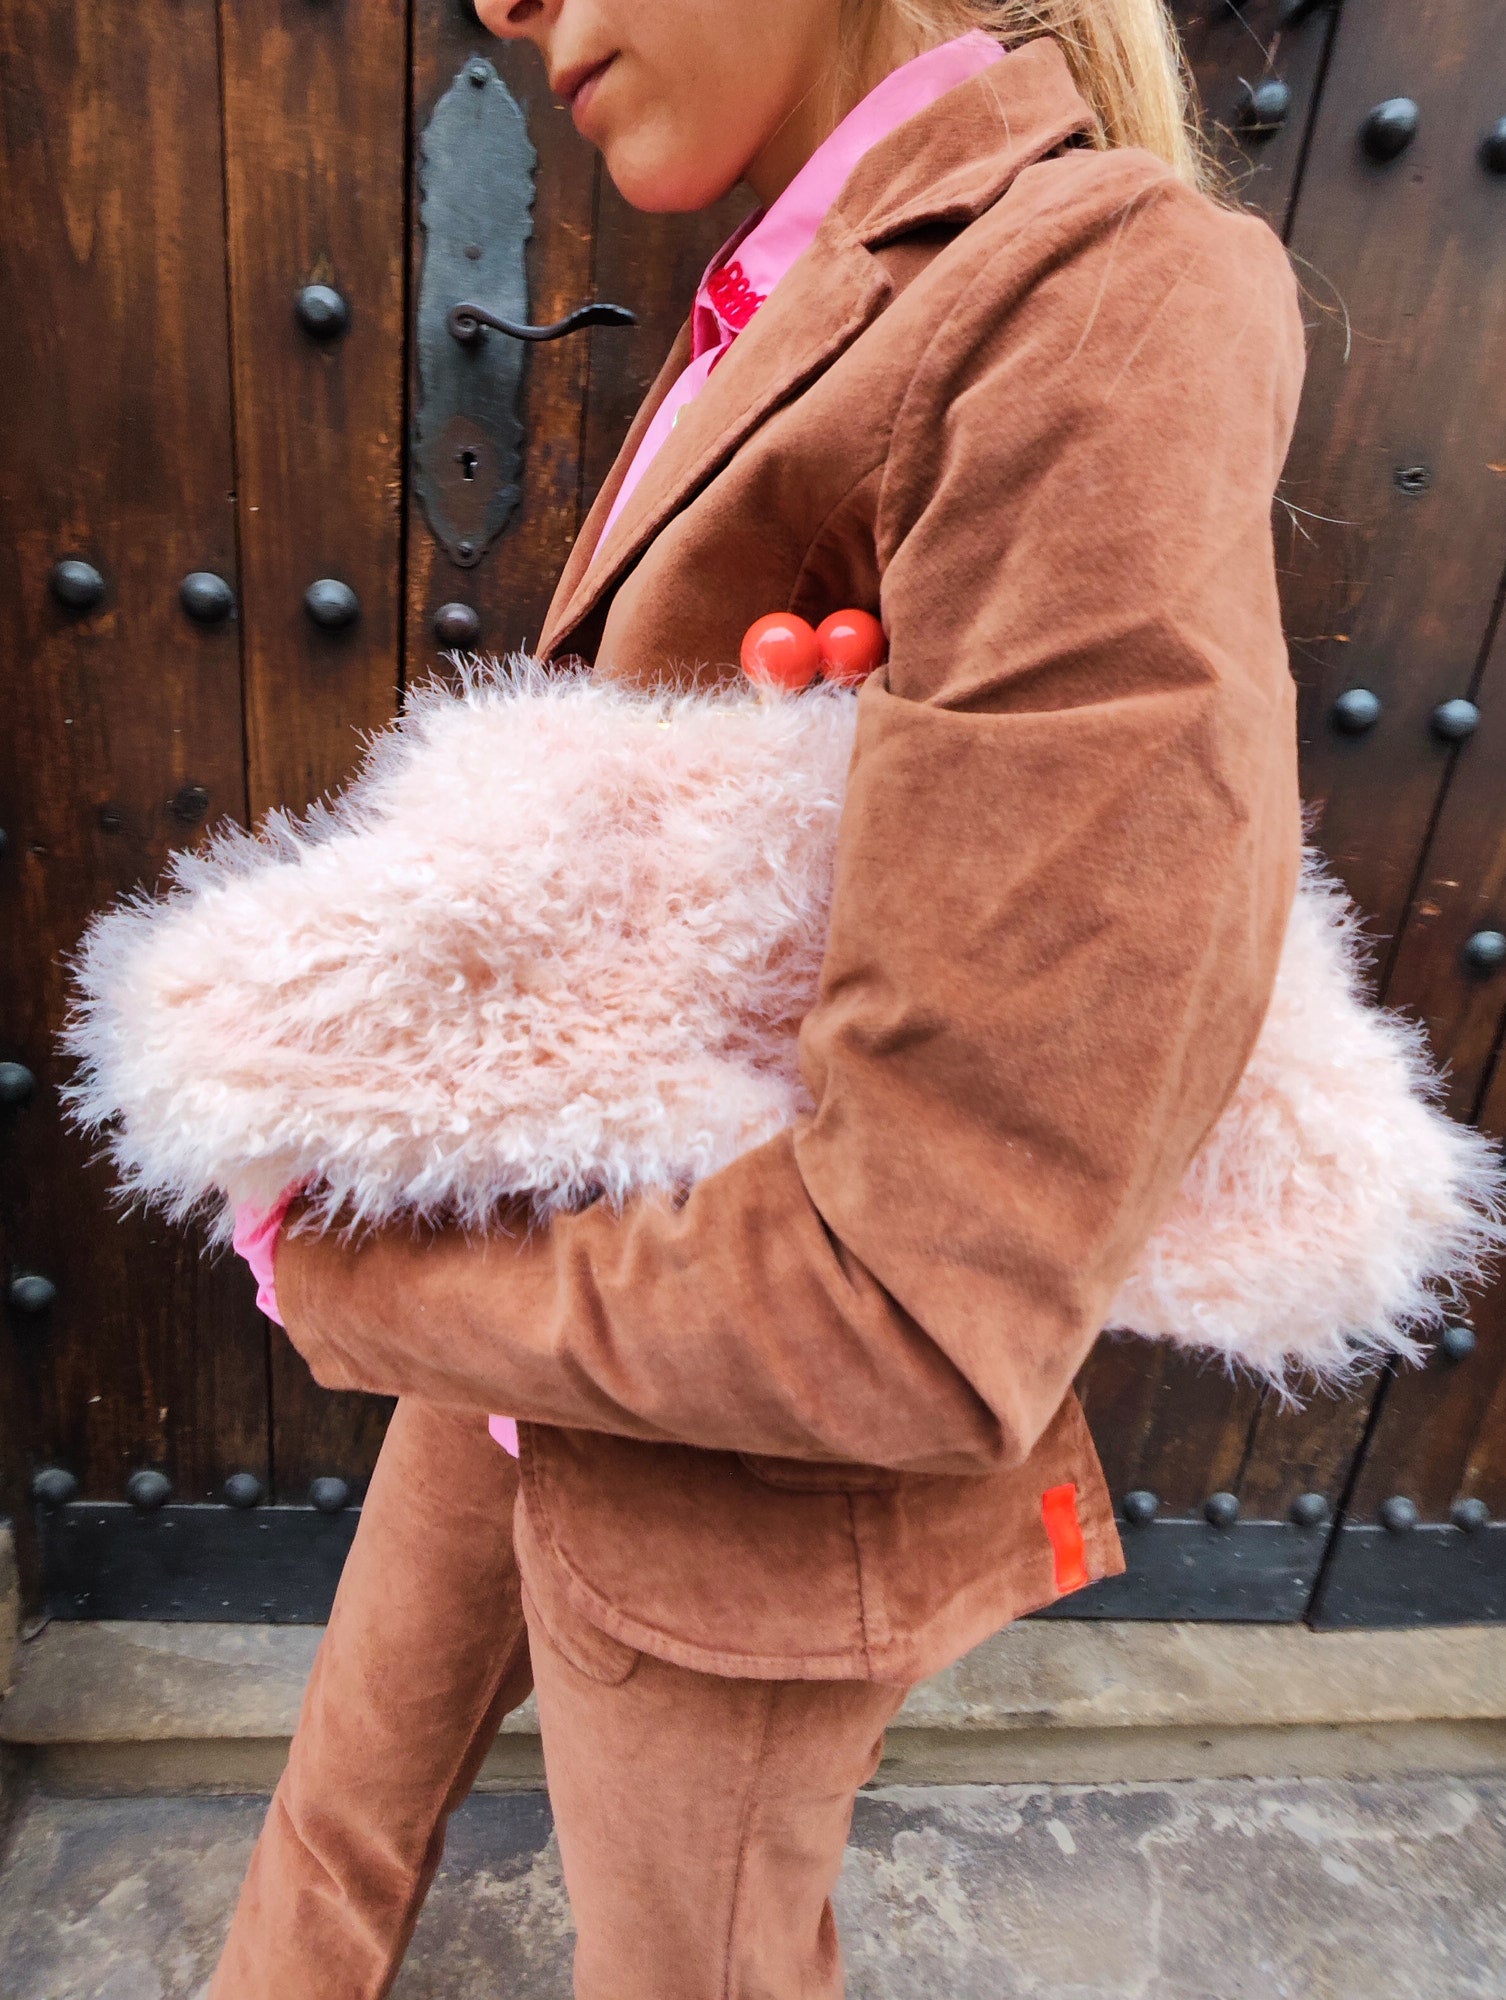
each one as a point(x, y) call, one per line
point(816, 115)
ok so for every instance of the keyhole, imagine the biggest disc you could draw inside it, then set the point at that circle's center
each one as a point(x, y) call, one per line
point(469, 460)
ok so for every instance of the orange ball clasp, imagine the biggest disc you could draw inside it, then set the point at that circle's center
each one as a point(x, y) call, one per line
point(780, 650)
point(852, 644)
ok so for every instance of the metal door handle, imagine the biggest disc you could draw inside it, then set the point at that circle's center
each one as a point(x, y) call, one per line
point(469, 322)
point(476, 182)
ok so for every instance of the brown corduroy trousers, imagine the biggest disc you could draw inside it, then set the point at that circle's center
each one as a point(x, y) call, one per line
point(701, 1821)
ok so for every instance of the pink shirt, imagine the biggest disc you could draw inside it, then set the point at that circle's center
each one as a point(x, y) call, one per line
point(255, 1239)
point(732, 290)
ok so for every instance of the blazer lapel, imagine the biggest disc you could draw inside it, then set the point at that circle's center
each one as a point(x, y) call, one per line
point(820, 305)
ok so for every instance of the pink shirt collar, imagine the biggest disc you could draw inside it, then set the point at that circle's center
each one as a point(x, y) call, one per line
point(769, 242)
point(771, 239)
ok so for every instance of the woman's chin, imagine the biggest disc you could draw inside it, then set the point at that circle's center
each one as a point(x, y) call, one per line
point(661, 181)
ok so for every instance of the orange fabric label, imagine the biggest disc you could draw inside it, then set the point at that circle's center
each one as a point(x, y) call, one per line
point(1064, 1531)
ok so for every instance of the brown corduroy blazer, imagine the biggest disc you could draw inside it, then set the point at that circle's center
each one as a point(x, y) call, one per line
point(1029, 401)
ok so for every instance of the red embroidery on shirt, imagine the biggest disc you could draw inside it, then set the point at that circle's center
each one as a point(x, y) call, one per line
point(734, 298)
point(1064, 1532)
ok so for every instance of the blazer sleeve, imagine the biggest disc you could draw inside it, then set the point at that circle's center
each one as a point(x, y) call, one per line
point(1065, 863)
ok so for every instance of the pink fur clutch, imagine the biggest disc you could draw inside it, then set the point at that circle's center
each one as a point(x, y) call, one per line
point(556, 941)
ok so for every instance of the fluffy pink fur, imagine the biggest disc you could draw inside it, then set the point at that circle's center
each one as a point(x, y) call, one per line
point(557, 940)
point(1334, 1212)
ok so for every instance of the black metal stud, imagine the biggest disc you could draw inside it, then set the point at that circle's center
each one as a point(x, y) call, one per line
point(457, 625)
point(207, 598)
point(189, 803)
point(1412, 479)
point(1454, 721)
point(16, 1085)
point(1140, 1507)
point(242, 1489)
point(1390, 129)
point(322, 312)
point(1470, 1515)
point(147, 1490)
point(331, 604)
point(1485, 951)
point(1493, 148)
point(1221, 1510)
point(1355, 711)
point(77, 584)
point(330, 1495)
point(1309, 1510)
point(1457, 1343)
point(30, 1292)
point(1265, 107)
point(1399, 1514)
point(53, 1487)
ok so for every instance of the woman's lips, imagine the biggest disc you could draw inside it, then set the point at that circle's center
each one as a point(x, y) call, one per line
point(585, 90)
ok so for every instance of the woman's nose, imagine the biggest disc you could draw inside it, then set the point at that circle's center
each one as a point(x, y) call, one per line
point(511, 18)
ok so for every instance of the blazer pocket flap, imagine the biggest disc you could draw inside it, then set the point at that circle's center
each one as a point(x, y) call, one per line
point(809, 1475)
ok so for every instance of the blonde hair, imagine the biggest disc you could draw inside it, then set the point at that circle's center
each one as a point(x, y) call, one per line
point(1125, 57)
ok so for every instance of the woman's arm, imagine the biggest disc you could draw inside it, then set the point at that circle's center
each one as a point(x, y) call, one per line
point(1066, 858)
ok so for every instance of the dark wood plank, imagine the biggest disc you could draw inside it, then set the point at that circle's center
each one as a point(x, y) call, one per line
point(112, 278)
point(1397, 593)
point(1166, 1422)
point(315, 130)
point(1462, 889)
point(316, 138)
point(1388, 588)
point(1440, 1434)
point(1234, 50)
point(316, 1432)
point(511, 586)
point(1309, 1448)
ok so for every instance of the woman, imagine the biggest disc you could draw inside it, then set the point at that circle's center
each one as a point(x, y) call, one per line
point(989, 364)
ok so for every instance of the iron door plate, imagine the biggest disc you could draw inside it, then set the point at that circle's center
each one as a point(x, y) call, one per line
point(1428, 1575)
point(476, 179)
point(280, 1565)
point(1255, 1572)
point(186, 1561)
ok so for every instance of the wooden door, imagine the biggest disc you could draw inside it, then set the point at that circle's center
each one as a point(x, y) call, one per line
point(211, 290)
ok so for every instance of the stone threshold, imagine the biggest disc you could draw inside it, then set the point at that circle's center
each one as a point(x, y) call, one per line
point(118, 1708)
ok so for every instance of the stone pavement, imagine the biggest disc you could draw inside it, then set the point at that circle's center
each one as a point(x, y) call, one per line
point(1206, 1889)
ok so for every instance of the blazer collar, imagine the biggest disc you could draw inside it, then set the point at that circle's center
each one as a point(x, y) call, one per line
point(946, 164)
